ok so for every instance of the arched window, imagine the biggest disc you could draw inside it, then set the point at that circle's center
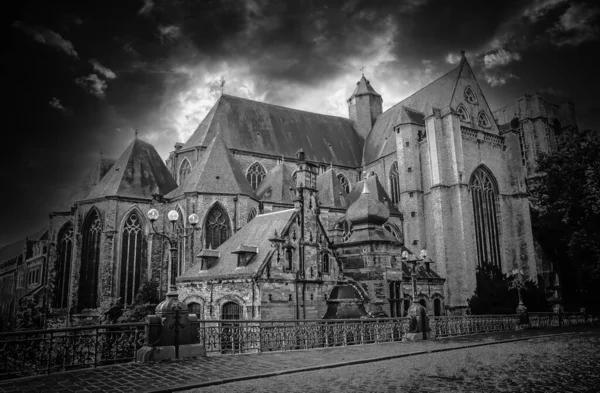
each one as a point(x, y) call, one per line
point(394, 183)
point(90, 260)
point(484, 193)
point(195, 308)
point(326, 263)
point(423, 303)
point(63, 266)
point(344, 182)
point(184, 170)
point(462, 113)
point(133, 249)
point(217, 227)
point(392, 230)
point(483, 120)
point(470, 96)
point(346, 230)
point(255, 175)
point(251, 214)
point(231, 310)
point(437, 307)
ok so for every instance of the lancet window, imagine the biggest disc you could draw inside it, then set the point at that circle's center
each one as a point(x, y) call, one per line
point(344, 182)
point(184, 170)
point(133, 249)
point(484, 193)
point(462, 113)
point(63, 266)
point(483, 120)
point(90, 261)
point(470, 96)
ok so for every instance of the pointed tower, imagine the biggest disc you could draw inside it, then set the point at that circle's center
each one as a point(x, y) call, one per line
point(364, 106)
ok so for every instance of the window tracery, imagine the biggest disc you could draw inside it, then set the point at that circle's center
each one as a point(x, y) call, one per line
point(90, 260)
point(470, 96)
point(484, 194)
point(395, 183)
point(255, 175)
point(63, 266)
point(133, 246)
point(462, 113)
point(217, 227)
point(184, 170)
point(483, 120)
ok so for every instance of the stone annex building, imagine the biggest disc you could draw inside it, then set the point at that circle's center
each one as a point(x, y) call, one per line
point(292, 202)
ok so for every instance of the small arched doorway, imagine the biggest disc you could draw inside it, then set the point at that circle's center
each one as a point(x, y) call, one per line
point(231, 332)
point(437, 307)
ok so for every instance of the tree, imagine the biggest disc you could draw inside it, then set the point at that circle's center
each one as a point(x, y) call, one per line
point(565, 202)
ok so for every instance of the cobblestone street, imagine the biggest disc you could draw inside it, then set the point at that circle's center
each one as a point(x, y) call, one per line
point(554, 364)
point(561, 360)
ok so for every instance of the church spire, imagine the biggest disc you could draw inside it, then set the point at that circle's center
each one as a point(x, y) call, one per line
point(364, 106)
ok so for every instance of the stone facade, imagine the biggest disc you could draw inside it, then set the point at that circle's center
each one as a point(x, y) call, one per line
point(439, 141)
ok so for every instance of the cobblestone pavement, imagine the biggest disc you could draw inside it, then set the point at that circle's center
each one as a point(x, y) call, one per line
point(550, 364)
point(482, 368)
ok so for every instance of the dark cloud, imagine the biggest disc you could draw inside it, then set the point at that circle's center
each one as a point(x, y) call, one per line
point(48, 37)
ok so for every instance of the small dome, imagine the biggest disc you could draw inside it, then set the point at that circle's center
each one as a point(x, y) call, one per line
point(367, 209)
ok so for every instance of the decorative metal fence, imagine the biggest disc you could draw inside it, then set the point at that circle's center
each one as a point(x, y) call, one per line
point(226, 336)
point(47, 351)
point(36, 352)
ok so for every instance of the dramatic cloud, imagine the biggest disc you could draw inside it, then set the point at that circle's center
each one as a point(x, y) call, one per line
point(540, 8)
point(93, 85)
point(452, 58)
point(499, 80)
point(578, 24)
point(104, 71)
point(169, 33)
point(55, 103)
point(147, 7)
point(48, 37)
point(500, 58)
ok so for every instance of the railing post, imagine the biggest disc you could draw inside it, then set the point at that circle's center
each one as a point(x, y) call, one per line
point(96, 348)
point(49, 354)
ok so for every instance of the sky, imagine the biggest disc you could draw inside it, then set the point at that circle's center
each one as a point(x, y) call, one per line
point(82, 76)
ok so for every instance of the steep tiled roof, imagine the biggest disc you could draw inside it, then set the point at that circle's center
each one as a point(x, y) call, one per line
point(138, 173)
point(217, 172)
point(270, 129)
point(377, 192)
point(254, 234)
point(91, 179)
point(331, 193)
point(380, 141)
point(275, 187)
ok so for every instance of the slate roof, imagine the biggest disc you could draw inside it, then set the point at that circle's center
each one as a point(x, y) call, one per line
point(217, 172)
point(256, 233)
point(91, 179)
point(363, 87)
point(331, 192)
point(138, 173)
point(438, 94)
point(276, 185)
point(376, 190)
point(258, 127)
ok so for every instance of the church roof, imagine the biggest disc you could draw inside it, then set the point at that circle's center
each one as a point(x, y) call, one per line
point(363, 87)
point(138, 173)
point(438, 94)
point(256, 233)
point(276, 185)
point(217, 172)
point(375, 189)
point(91, 179)
point(258, 127)
point(367, 209)
point(331, 192)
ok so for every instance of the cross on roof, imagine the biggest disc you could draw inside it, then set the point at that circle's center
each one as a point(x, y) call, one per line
point(222, 85)
point(362, 68)
point(136, 133)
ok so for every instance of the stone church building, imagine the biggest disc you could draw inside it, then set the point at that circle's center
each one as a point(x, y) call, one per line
point(292, 203)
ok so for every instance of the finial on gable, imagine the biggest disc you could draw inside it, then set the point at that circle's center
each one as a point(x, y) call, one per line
point(462, 52)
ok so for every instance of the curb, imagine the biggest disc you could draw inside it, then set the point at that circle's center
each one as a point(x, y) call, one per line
point(343, 364)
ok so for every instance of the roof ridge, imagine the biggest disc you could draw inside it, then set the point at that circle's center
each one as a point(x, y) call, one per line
point(286, 107)
point(422, 88)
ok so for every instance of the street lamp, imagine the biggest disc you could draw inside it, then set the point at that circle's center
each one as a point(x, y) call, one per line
point(173, 237)
point(415, 261)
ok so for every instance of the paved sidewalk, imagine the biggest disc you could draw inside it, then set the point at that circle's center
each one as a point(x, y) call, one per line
point(176, 375)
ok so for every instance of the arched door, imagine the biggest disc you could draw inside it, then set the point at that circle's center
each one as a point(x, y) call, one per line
point(231, 332)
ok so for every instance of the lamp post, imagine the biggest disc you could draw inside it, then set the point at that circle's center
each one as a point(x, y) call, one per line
point(415, 262)
point(173, 238)
point(419, 322)
point(517, 282)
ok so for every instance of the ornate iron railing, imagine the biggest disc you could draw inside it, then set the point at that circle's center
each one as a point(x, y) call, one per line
point(47, 351)
point(53, 350)
point(226, 336)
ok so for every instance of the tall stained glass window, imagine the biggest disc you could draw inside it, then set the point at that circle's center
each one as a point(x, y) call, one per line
point(484, 193)
point(133, 249)
point(90, 261)
point(63, 266)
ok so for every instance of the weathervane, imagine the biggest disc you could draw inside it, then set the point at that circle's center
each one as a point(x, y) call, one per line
point(136, 133)
point(362, 68)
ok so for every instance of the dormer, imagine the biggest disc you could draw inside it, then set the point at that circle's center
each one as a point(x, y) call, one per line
point(245, 254)
point(209, 258)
